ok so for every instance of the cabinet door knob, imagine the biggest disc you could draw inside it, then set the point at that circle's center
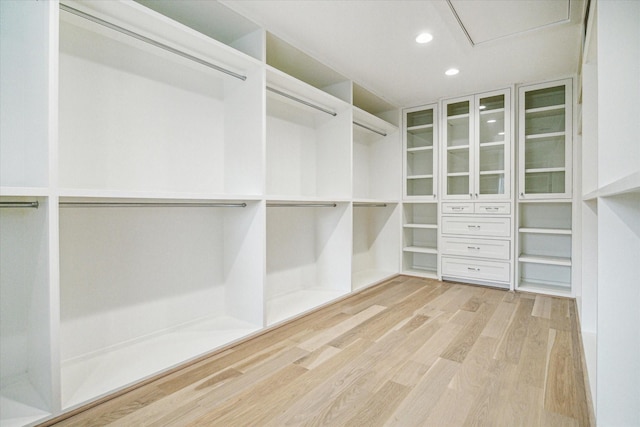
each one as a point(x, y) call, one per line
point(521, 194)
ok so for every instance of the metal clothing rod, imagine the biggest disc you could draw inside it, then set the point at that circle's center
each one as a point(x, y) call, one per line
point(301, 205)
point(151, 205)
point(150, 41)
point(370, 205)
point(369, 128)
point(19, 205)
point(302, 101)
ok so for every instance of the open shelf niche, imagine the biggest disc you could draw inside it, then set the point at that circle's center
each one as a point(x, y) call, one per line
point(420, 241)
point(145, 287)
point(376, 145)
point(376, 238)
point(308, 256)
point(25, 315)
point(545, 247)
point(214, 20)
point(137, 117)
point(308, 141)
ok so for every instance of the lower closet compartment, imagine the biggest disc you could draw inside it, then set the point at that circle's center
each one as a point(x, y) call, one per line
point(25, 362)
point(145, 288)
point(375, 242)
point(308, 257)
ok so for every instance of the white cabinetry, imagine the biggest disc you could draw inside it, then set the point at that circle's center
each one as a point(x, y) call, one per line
point(545, 140)
point(545, 224)
point(477, 243)
point(421, 152)
point(476, 146)
point(172, 194)
point(420, 236)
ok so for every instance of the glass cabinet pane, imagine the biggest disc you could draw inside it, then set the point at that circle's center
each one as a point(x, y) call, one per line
point(458, 185)
point(545, 97)
point(457, 153)
point(420, 187)
point(420, 161)
point(545, 141)
point(491, 135)
point(420, 118)
point(420, 138)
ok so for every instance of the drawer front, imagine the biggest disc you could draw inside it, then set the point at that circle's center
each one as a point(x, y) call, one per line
point(454, 208)
point(468, 226)
point(493, 208)
point(477, 248)
point(492, 271)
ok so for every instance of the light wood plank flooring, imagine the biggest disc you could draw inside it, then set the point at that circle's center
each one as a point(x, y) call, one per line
point(409, 352)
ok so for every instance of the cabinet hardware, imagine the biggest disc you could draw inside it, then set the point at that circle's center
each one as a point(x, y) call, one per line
point(492, 209)
point(475, 248)
point(477, 227)
point(476, 269)
point(150, 41)
point(19, 205)
point(457, 208)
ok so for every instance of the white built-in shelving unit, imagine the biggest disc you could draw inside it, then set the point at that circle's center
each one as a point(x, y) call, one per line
point(545, 226)
point(610, 210)
point(420, 234)
point(177, 189)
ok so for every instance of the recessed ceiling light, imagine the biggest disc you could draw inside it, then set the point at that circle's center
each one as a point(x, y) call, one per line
point(424, 38)
point(452, 71)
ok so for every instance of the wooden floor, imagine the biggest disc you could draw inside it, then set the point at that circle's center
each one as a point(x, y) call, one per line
point(409, 352)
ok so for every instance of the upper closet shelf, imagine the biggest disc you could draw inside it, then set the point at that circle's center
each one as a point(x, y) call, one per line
point(629, 184)
point(136, 25)
point(279, 83)
point(372, 123)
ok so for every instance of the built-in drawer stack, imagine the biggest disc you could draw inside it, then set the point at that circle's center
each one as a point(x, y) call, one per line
point(476, 242)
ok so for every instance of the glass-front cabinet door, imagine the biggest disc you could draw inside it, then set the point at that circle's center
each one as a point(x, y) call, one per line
point(457, 133)
point(476, 140)
point(493, 148)
point(420, 159)
point(545, 135)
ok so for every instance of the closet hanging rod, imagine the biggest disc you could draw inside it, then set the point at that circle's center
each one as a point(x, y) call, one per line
point(19, 205)
point(150, 41)
point(370, 205)
point(369, 128)
point(301, 205)
point(302, 101)
point(151, 205)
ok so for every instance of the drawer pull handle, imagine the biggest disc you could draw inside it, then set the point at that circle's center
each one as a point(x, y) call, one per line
point(457, 208)
point(474, 248)
point(476, 269)
point(492, 209)
point(476, 227)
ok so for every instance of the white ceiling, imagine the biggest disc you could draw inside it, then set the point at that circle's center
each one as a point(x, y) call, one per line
point(372, 41)
point(494, 43)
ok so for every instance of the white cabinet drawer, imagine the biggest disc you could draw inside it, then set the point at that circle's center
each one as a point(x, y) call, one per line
point(477, 248)
point(469, 226)
point(492, 271)
point(493, 208)
point(457, 208)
